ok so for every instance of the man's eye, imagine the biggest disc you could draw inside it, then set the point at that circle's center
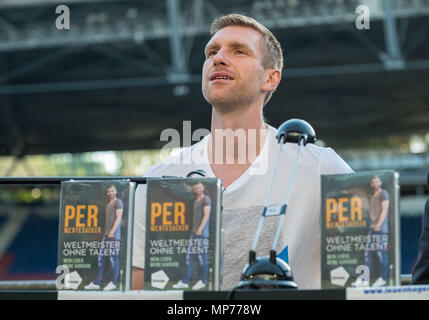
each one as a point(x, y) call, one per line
point(211, 52)
point(238, 51)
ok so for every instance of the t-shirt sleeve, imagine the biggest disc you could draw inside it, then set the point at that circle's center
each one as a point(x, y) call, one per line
point(119, 204)
point(139, 235)
point(332, 163)
point(384, 196)
point(139, 232)
point(207, 201)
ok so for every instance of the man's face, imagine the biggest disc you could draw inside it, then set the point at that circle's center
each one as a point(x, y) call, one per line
point(375, 183)
point(111, 193)
point(233, 73)
point(198, 189)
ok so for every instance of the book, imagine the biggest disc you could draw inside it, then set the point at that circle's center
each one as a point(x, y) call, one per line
point(183, 234)
point(360, 229)
point(95, 235)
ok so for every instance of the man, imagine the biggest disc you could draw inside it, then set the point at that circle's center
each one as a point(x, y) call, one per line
point(420, 273)
point(198, 244)
point(379, 230)
point(241, 71)
point(111, 240)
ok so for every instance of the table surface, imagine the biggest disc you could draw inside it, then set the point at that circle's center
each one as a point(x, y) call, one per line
point(420, 292)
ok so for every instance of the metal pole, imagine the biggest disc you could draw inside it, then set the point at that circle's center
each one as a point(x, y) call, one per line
point(393, 60)
point(176, 41)
point(291, 182)
point(267, 199)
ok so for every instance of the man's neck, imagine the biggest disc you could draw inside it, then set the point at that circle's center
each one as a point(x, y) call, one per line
point(247, 132)
point(376, 191)
point(247, 127)
point(200, 196)
point(238, 119)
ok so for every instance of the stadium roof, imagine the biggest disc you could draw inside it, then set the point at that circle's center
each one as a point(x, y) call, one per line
point(126, 70)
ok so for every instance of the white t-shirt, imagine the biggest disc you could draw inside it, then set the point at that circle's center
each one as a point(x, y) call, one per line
point(244, 200)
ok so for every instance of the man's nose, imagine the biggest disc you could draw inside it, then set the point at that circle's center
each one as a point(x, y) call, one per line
point(219, 58)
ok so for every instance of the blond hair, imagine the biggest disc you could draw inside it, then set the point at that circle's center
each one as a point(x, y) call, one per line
point(273, 55)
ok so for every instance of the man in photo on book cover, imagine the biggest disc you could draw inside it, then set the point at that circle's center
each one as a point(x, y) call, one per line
point(242, 69)
point(111, 242)
point(420, 273)
point(377, 245)
point(196, 257)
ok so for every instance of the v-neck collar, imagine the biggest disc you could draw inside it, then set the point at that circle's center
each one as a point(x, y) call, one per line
point(262, 156)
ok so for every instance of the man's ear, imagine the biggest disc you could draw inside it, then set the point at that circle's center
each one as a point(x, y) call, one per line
point(272, 79)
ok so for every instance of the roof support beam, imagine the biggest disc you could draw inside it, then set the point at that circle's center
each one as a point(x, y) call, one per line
point(35, 64)
point(68, 86)
point(393, 60)
point(179, 72)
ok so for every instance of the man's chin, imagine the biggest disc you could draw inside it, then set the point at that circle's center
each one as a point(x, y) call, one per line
point(222, 103)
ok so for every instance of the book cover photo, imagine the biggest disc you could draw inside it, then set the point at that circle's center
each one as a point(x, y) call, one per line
point(183, 234)
point(95, 235)
point(360, 229)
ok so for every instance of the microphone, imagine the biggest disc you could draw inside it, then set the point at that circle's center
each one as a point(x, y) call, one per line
point(271, 272)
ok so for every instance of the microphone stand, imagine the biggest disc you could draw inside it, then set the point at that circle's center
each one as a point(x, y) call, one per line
point(271, 272)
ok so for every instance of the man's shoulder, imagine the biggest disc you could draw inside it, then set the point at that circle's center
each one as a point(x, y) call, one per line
point(327, 153)
point(181, 163)
point(329, 160)
point(310, 149)
point(323, 159)
point(321, 153)
point(318, 151)
point(115, 203)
